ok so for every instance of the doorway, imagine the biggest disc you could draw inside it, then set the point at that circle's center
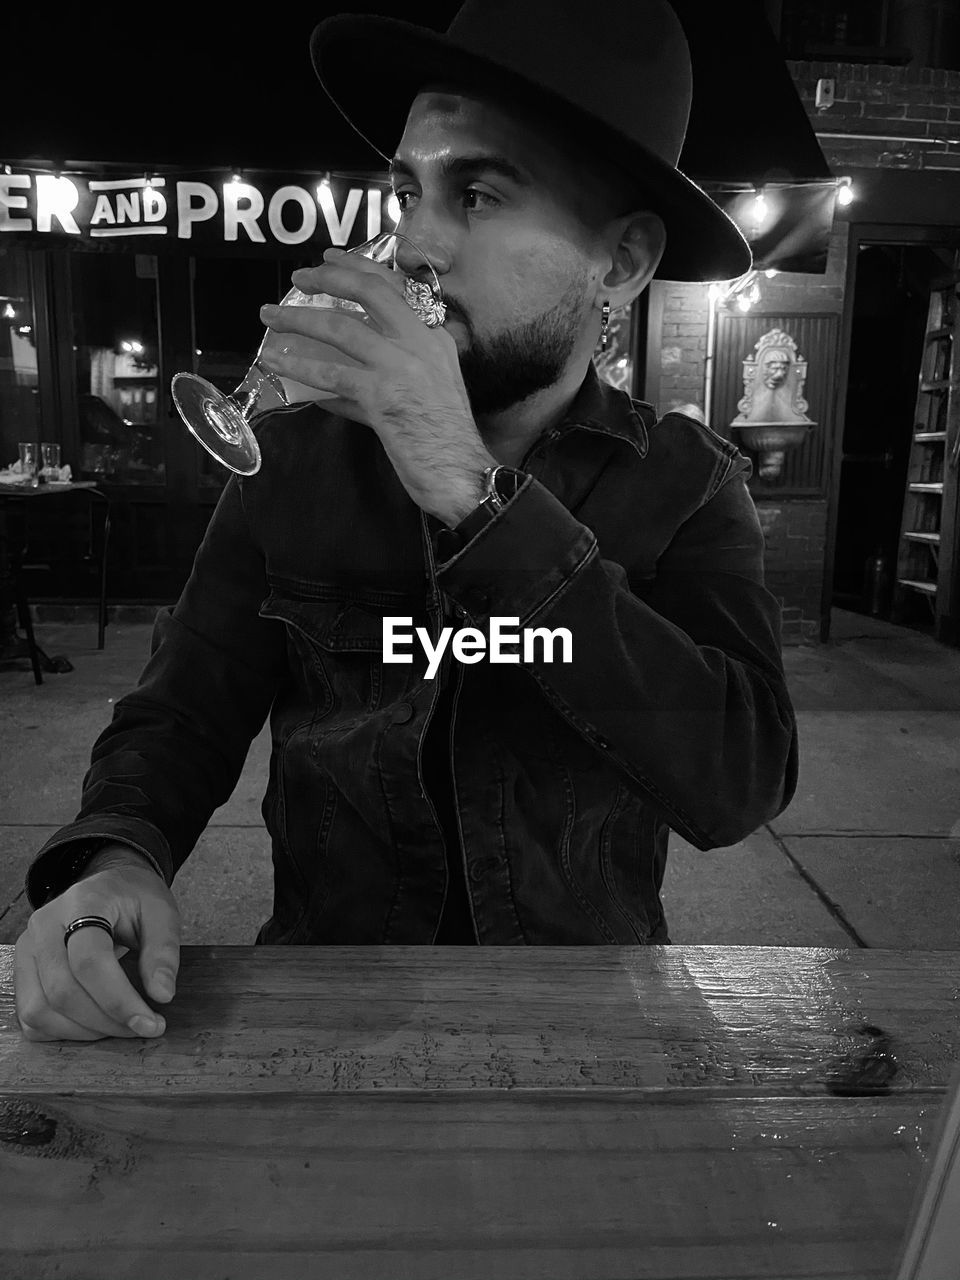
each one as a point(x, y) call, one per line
point(889, 316)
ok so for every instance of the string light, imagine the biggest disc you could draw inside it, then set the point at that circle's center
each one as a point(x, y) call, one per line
point(845, 191)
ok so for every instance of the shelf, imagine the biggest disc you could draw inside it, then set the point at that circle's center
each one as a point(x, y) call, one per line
point(916, 536)
point(925, 588)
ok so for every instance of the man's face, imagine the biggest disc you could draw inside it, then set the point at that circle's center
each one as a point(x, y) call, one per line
point(495, 205)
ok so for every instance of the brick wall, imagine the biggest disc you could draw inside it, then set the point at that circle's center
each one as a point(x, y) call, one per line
point(900, 117)
point(684, 345)
point(794, 531)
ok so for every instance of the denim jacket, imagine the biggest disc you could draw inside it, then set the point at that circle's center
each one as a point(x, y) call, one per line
point(639, 536)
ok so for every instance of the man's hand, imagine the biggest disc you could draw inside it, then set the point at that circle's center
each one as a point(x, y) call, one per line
point(408, 385)
point(78, 991)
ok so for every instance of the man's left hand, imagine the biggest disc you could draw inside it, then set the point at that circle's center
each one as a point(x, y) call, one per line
point(406, 383)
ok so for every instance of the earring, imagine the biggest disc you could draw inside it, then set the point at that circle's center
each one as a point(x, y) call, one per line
point(605, 326)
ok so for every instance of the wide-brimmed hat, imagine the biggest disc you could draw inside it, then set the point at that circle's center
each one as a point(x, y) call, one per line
point(613, 73)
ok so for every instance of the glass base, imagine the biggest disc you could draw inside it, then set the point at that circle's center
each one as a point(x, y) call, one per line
point(215, 420)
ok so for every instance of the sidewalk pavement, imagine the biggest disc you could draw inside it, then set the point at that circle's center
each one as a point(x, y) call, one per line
point(867, 854)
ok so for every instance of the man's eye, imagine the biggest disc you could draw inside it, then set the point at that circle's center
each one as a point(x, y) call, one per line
point(477, 199)
point(402, 198)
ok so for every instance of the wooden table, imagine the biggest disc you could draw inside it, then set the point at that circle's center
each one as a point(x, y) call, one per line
point(417, 1113)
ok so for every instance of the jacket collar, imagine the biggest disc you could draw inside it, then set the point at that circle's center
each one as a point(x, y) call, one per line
point(598, 406)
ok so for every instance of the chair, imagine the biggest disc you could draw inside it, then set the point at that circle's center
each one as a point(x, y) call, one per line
point(45, 528)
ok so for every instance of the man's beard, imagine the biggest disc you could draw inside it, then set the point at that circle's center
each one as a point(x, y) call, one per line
point(509, 367)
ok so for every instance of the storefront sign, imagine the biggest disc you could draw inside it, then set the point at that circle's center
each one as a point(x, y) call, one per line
point(247, 210)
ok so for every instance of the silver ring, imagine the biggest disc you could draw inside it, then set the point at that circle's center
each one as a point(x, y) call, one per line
point(421, 299)
point(82, 922)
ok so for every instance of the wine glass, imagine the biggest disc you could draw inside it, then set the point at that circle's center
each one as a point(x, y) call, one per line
point(221, 423)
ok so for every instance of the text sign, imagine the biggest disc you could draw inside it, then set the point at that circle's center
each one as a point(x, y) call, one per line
point(196, 208)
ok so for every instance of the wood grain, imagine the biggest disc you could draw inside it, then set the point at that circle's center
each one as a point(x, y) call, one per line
point(746, 1020)
point(678, 1113)
point(477, 1187)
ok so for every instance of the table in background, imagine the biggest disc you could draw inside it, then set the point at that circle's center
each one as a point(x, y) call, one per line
point(17, 495)
point(574, 1113)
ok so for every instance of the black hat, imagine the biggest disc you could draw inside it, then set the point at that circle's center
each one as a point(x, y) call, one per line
point(615, 73)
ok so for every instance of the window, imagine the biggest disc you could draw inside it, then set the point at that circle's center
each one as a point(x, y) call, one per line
point(116, 361)
point(19, 382)
point(227, 296)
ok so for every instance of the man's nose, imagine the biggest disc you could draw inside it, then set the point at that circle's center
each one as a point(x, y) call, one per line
point(415, 252)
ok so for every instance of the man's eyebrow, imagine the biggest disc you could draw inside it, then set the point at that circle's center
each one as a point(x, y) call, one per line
point(463, 166)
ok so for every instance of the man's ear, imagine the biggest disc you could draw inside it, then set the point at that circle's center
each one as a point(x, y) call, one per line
point(639, 240)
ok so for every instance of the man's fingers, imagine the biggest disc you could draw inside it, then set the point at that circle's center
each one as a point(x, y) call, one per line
point(379, 292)
point(159, 960)
point(39, 1021)
point(341, 330)
point(339, 379)
point(99, 986)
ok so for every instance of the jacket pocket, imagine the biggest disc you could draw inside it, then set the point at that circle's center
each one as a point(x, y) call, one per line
point(335, 642)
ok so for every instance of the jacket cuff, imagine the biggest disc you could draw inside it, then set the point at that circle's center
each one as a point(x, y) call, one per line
point(520, 560)
point(61, 860)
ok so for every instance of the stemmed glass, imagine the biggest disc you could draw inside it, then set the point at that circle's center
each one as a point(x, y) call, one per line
point(221, 423)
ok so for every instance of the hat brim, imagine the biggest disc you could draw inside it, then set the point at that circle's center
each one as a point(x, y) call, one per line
point(373, 67)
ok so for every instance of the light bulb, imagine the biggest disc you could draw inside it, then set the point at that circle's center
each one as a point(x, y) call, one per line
point(394, 212)
point(743, 302)
point(771, 272)
point(760, 209)
point(845, 191)
point(8, 312)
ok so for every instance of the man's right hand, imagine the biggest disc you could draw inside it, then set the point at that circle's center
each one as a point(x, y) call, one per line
point(78, 991)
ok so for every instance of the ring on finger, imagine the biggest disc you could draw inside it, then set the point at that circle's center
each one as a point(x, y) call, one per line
point(83, 922)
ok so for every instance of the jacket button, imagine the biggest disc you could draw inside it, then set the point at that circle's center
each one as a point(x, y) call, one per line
point(402, 712)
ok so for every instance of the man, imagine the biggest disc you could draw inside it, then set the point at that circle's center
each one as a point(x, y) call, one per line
point(459, 475)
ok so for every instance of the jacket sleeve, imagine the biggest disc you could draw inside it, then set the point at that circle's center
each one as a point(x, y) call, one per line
point(677, 678)
point(177, 743)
